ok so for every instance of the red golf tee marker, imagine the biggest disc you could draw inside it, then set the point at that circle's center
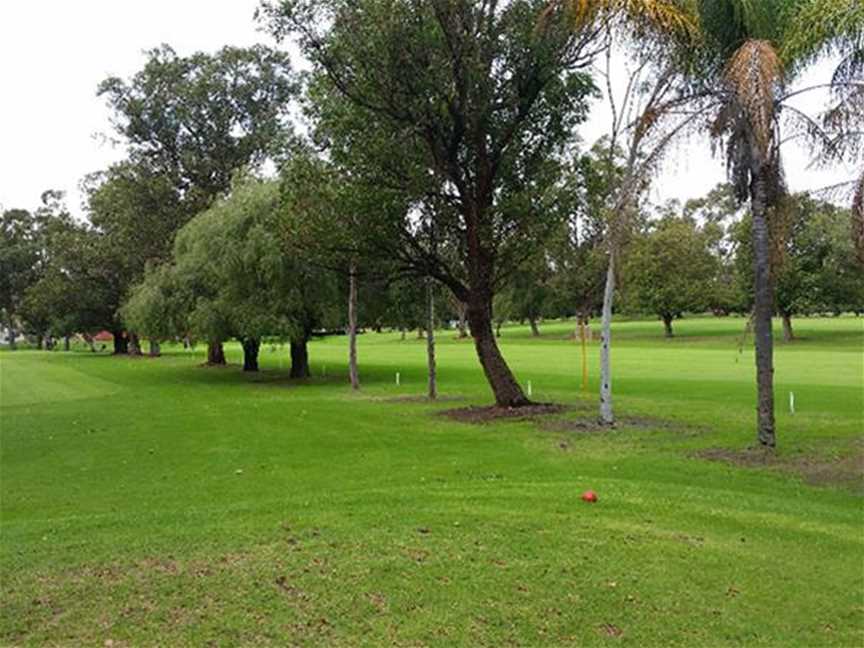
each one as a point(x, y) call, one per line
point(589, 496)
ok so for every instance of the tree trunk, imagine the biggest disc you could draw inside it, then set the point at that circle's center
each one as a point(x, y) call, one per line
point(89, 341)
point(430, 340)
point(507, 391)
point(40, 342)
point(462, 323)
point(762, 310)
point(300, 359)
point(215, 353)
point(155, 349)
point(535, 332)
point(788, 333)
point(498, 326)
point(420, 333)
point(134, 345)
point(584, 340)
point(403, 334)
point(250, 354)
point(667, 326)
point(354, 375)
point(66, 343)
point(607, 416)
point(12, 344)
point(121, 343)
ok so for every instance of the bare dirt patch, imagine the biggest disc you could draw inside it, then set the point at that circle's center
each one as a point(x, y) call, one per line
point(846, 471)
point(589, 425)
point(480, 415)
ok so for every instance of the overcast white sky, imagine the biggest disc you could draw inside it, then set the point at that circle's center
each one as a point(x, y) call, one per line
point(53, 53)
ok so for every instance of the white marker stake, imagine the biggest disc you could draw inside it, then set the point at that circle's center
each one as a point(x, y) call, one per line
point(530, 390)
point(791, 402)
point(397, 378)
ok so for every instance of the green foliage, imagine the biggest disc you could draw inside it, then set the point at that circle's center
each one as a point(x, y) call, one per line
point(197, 119)
point(815, 270)
point(669, 269)
point(234, 275)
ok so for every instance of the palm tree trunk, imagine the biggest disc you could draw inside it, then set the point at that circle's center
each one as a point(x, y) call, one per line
point(430, 340)
point(354, 374)
point(607, 416)
point(764, 304)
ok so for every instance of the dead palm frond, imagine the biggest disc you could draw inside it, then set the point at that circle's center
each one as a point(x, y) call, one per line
point(753, 76)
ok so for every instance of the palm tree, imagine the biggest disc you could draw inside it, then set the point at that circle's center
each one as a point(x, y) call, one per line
point(751, 52)
point(748, 53)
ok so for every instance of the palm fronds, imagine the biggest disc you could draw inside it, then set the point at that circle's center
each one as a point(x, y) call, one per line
point(753, 74)
point(669, 17)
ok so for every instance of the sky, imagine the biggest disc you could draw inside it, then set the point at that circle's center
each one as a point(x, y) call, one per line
point(54, 53)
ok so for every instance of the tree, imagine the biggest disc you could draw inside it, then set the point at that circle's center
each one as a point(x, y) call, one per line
point(669, 270)
point(717, 212)
point(232, 275)
point(190, 123)
point(750, 53)
point(814, 270)
point(18, 259)
point(460, 106)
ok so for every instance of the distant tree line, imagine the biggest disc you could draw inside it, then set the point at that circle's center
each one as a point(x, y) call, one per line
point(437, 177)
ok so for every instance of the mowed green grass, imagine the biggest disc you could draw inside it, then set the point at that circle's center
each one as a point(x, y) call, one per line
point(156, 502)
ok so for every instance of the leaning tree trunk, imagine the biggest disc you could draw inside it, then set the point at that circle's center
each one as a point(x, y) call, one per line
point(300, 358)
point(430, 340)
point(155, 349)
point(606, 415)
point(667, 326)
point(353, 373)
point(788, 333)
point(250, 353)
point(215, 353)
point(507, 391)
point(762, 310)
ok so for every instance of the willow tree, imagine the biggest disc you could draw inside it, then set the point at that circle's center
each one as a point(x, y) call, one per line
point(465, 103)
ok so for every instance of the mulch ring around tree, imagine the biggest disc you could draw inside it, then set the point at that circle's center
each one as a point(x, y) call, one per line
point(846, 471)
point(480, 415)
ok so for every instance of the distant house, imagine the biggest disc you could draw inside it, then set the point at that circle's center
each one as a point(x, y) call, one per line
point(103, 336)
point(4, 336)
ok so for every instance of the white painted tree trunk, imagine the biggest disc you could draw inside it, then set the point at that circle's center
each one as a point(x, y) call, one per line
point(352, 329)
point(430, 341)
point(606, 415)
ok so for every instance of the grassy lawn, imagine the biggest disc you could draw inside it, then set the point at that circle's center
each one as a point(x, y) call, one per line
point(155, 502)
